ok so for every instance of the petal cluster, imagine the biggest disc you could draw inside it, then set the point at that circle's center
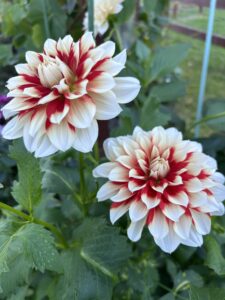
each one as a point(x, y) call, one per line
point(165, 183)
point(59, 94)
point(102, 10)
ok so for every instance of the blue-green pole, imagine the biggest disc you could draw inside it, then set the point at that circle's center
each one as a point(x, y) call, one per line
point(205, 65)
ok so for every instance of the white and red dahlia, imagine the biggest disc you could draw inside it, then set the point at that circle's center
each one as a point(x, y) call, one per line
point(165, 183)
point(60, 93)
point(102, 10)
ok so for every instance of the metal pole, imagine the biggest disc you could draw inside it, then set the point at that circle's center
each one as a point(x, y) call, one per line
point(91, 15)
point(205, 65)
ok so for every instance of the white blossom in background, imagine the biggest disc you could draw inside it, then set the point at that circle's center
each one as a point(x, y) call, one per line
point(102, 10)
point(165, 183)
point(60, 93)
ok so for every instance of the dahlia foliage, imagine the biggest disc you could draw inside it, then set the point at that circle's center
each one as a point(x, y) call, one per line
point(165, 183)
point(60, 94)
point(102, 10)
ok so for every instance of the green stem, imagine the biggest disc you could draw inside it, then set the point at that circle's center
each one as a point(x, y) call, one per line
point(45, 17)
point(96, 152)
point(26, 217)
point(82, 178)
point(208, 118)
point(118, 38)
point(91, 15)
point(171, 291)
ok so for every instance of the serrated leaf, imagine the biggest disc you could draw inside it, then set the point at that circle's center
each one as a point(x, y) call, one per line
point(167, 92)
point(214, 257)
point(38, 244)
point(27, 191)
point(167, 58)
point(28, 247)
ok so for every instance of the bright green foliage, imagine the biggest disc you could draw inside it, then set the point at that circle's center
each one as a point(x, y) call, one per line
point(27, 191)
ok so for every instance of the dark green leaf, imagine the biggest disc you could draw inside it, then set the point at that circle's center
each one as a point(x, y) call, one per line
point(96, 238)
point(59, 179)
point(211, 293)
point(80, 281)
point(214, 257)
point(27, 191)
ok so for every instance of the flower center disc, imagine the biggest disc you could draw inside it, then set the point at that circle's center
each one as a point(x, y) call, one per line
point(159, 167)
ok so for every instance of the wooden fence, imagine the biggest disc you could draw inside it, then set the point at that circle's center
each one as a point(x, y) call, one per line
point(192, 32)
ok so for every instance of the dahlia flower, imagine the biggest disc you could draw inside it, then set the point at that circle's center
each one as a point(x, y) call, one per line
point(60, 93)
point(165, 183)
point(102, 10)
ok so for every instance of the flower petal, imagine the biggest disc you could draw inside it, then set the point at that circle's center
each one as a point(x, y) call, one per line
point(126, 89)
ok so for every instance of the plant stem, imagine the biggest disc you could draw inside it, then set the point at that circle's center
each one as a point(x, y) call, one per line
point(45, 17)
point(91, 15)
point(118, 38)
point(96, 152)
point(171, 291)
point(208, 118)
point(82, 178)
point(26, 217)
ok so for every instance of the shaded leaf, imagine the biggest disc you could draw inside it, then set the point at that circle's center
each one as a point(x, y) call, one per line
point(27, 191)
point(167, 58)
point(214, 257)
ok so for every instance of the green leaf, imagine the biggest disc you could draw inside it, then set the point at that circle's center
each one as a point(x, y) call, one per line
point(167, 58)
point(214, 257)
point(96, 238)
point(142, 51)
point(167, 92)
point(37, 35)
point(28, 247)
point(100, 253)
point(149, 5)
point(214, 107)
point(152, 115)
point(5, 54)
point(38, 245)
point(59, 179)
point(211, 293)
point(127, 11)
point(27, 191)
point(80, 281)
